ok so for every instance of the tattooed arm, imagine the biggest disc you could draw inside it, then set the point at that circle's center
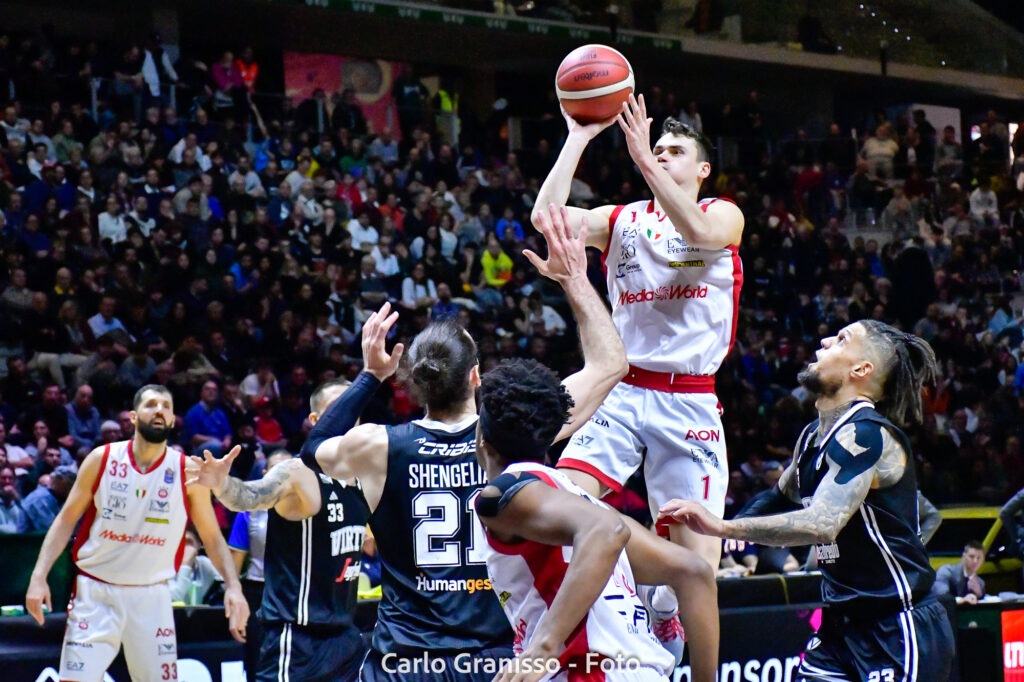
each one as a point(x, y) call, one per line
point(867, 457)
point(289, 487)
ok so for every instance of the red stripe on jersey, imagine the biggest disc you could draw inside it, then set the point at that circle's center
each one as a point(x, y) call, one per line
point(90, 513)
point(588, 468)
point(611, 229)
point(188, 512)
point(526, 546)
point(737, 285)
point(547, 564)
point(131, 458)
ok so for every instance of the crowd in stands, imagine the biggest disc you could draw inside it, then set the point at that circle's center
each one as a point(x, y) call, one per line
point(232, 252)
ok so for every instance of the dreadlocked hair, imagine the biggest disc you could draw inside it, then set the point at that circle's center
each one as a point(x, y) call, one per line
point(907, 363)
point(524, 395)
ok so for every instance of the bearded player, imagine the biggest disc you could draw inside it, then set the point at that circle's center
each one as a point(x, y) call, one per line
point(674, 278)
point(136, 507)
point(853, 474)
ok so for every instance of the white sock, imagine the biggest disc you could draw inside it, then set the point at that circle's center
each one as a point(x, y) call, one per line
point(664, 599)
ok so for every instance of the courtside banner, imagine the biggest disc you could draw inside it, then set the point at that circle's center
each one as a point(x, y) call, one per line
point(1013, 645)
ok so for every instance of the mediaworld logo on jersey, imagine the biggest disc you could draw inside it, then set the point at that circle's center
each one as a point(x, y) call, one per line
point(143, 539)
point(671, 293)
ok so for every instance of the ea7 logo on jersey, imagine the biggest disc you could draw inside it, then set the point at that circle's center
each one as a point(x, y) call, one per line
point(119, 486)
point(446, 449)
point(582, 441)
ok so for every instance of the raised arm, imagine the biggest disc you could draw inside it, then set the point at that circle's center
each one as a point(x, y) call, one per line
point(59, 533)
point(720, 226)
point(879, 462)
point(555, 189)
point(604, 356)
point(342, 451)
point(537, 512)
point(290, 487)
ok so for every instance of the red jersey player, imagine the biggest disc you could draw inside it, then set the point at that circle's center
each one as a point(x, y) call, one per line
point(136, 506)
point(674, 278)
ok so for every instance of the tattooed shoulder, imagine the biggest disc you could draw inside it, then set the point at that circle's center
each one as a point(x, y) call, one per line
point(893, 462)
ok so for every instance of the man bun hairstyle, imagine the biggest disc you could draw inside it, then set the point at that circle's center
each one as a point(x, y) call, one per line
point(523, 406)
point(438, 365)
point(907, 364)
point(673, 126)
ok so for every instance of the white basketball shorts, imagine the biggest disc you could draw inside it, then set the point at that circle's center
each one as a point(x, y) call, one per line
point(103, 617)
point(678, 438)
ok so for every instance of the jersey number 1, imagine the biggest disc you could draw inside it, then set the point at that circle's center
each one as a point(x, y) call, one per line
point(440, 520)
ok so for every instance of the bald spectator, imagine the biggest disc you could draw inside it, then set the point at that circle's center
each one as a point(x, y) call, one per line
point(83, 419)
point(43, 504)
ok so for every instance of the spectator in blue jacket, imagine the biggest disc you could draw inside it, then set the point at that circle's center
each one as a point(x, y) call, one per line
point(83, 418)
point(206, 425)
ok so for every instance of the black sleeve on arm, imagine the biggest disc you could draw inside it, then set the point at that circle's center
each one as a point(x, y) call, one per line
point(508, 484)
point(771, 501)
point(343, 413)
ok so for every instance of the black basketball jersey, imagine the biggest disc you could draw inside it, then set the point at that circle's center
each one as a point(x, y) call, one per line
point(877, 563)
point(312, 566)
point(436, 593)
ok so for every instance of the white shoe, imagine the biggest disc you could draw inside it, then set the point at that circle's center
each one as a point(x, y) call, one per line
point(664, 624)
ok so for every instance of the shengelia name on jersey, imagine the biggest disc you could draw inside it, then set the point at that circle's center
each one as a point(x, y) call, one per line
point(461, 475)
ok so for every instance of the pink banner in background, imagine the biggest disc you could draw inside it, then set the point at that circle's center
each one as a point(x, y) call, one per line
point(372, 80)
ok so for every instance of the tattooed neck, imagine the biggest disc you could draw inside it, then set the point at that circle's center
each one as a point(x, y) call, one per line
point(826, 418)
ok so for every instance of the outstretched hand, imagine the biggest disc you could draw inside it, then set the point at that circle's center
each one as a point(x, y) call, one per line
point(208, 471)
point(376, 360)
point(567, 255)
point(637, 128)
point(693, 515)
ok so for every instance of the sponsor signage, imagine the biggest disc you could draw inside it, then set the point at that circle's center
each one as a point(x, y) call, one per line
point(456, 17)
point(1013, 645)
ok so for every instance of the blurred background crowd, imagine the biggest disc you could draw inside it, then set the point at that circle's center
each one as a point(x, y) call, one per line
point(229, 243)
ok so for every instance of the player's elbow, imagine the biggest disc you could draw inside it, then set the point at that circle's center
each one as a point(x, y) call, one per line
point(828, 531)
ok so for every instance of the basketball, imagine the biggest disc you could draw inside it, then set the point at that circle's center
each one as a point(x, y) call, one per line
point(592, 83)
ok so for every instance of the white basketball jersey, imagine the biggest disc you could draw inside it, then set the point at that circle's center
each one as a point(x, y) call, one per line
point(527, 576)
point(134, 534)
point(675, 305)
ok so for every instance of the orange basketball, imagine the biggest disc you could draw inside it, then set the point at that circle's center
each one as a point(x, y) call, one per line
point(592, 83)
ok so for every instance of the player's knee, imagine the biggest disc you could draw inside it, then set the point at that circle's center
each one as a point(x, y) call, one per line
point(696, 569)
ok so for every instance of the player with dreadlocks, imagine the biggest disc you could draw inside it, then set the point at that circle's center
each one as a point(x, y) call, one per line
point(853, 474)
